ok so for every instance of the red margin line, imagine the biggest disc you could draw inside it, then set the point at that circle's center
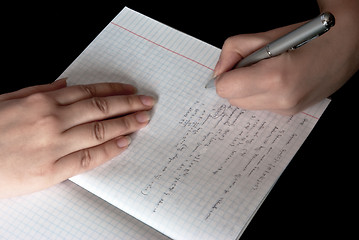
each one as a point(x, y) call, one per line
point(310, 115)
point(190, 59)
point(159, 45)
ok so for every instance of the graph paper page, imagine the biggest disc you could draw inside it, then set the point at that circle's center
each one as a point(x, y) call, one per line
point(67, 211)
point(201, 168)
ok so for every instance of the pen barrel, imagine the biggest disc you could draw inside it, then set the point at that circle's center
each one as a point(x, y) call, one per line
point(302, 35)
point(292, 40)
point(253, 58)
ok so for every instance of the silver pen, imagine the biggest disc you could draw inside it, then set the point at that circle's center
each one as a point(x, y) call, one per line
point(290, 41)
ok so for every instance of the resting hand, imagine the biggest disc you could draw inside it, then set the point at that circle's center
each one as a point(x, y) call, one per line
point(52, 132)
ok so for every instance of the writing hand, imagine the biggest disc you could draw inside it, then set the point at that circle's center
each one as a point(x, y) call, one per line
point(52, 132)
point(290, 82)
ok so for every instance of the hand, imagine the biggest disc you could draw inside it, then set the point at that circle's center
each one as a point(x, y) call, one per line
point(290, 82)
point(52, 132)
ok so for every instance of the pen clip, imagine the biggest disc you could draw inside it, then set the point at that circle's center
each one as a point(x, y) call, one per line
point(327, 20)
point(305, 42)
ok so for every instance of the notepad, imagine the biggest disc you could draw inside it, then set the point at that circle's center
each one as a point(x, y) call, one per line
point(201, 168)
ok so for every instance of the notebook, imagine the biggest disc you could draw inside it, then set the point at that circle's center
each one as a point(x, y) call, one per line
point(199, 170)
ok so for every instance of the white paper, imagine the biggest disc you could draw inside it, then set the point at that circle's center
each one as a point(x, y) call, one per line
point(201, 168)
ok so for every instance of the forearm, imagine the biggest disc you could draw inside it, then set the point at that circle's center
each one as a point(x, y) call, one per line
point(345, 33)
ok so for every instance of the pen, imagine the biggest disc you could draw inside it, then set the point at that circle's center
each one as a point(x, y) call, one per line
point(290, 41)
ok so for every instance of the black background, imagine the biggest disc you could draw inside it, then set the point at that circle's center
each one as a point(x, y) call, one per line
point(315, 195)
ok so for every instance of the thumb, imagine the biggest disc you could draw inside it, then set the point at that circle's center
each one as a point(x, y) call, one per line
point(236, 48)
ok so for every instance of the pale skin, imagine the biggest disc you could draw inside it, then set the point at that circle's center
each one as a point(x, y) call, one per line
point(295, 80)
point(52, 132)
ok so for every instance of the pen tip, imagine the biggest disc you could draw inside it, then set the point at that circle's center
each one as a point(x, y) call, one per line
point(210, 84)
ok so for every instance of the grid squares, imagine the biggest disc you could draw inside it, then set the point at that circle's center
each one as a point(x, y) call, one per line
point(174, 66)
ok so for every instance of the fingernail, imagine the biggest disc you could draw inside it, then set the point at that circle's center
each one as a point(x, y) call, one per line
point(123, 141)
point(60, 81)
point(143, 117)
point(147, 100)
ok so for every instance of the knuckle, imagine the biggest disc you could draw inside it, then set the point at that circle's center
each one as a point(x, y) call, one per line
point(48, 127)
point(98, 131)
point(43, 172)
point(126, 123)
point(287, 97)
point(279, 82)
point(288, 103)
point(130, 101)
point(279, 78)
point(88, 90)
point(288, 112)
point(50, 121)
point(42, 103)
point(39, 99)
point(100, 104)
point(113, 86)
point(85, 159)
point(231, 42)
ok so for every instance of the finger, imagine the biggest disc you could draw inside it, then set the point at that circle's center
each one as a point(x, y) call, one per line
point(243, 82)
point(87, 159)
point(262, 102)
point(226, 61)
point(100, 108)
point(95, 133)
point(61, 83)
point(257, 102)
point(80, 92)
point(236, 48)
point(282, 101)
